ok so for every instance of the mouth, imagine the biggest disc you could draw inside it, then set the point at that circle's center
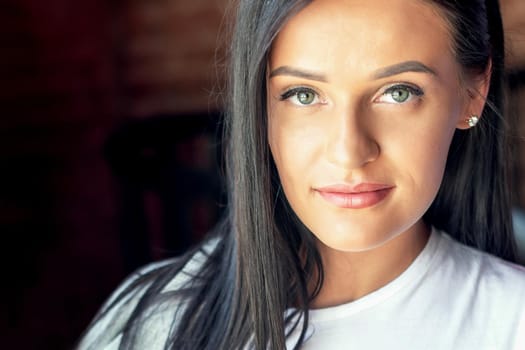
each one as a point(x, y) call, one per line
point(363, 195)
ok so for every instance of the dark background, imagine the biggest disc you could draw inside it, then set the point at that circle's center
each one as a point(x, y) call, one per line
point(108, 118)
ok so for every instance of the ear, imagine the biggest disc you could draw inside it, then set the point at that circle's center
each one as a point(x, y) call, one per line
point(477, 90)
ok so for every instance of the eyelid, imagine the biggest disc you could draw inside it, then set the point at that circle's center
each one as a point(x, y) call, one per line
point(414, 88)
point(290, 91)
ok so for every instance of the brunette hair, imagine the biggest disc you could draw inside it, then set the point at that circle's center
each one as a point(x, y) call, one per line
point(262, 259)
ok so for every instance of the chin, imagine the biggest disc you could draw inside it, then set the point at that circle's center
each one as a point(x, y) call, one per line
point(353, 240)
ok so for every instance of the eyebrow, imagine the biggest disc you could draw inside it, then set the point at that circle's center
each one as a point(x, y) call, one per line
point(398, 68)
point(299, 73)
point(403, 67)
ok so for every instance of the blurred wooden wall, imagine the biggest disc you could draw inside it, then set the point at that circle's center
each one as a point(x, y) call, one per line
point(513, 12)
point(72, 71)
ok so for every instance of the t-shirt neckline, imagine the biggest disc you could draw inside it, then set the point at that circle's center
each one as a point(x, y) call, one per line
point(412, 275)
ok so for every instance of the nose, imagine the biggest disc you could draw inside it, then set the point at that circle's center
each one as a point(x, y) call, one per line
point(350, 143)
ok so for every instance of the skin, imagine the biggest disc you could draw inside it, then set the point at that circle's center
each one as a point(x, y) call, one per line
point(346, 125)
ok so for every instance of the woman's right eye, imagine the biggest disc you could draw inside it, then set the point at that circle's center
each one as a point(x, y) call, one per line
point(301, 96)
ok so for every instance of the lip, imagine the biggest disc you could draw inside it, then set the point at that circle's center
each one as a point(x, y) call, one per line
point(360, 196)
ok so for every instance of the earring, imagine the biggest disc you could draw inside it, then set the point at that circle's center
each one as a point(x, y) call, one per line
point(472, 120)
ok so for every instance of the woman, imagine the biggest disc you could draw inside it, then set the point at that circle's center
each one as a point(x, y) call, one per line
point(359, 132)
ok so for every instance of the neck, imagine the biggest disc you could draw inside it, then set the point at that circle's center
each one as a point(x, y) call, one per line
point(349, 276)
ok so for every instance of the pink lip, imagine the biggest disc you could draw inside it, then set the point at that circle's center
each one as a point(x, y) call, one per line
point(360, 196)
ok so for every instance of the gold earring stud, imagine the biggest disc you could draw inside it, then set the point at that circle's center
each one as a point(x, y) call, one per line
point(473, 120)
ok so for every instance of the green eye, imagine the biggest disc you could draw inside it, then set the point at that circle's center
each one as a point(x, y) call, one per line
point(305, 97)
point(400, 95)
point(301, 96)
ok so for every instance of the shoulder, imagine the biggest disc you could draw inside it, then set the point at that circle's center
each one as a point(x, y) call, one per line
point(489, 269)
point(491, 290)
point(159, 280)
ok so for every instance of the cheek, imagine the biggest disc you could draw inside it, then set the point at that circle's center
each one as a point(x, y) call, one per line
point(425, 155)
point(295, 148)
point(429, 165)
point(287, 161)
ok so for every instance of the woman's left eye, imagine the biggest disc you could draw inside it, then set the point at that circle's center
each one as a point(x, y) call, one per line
point(399, 94)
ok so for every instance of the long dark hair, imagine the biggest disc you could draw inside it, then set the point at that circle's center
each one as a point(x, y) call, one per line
point(473, 204)
point(261, 261)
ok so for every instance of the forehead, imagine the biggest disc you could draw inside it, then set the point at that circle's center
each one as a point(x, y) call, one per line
point(363, 35)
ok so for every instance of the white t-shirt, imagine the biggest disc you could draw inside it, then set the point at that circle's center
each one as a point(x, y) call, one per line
point(450, 297)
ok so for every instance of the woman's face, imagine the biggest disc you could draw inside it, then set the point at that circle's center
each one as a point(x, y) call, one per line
point(363, 101)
